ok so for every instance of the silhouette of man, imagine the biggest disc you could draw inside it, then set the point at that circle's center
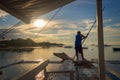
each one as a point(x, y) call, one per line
point(78, 44)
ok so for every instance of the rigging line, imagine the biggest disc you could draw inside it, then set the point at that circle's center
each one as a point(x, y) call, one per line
point(9, 29)
point(89, 31)
point(49, 21)
point(91, 28)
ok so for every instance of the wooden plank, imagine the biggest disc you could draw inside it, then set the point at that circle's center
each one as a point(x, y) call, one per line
point(61, 71)
point(63, 56)
point(54, 62)
point(61, 68)
point(31, 74)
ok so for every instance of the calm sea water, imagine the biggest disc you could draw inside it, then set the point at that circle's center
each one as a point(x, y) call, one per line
point(8, 57)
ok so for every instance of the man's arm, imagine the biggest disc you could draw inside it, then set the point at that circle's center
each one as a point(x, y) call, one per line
point(83, 37)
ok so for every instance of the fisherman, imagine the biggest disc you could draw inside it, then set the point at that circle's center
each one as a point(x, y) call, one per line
point(78, 45)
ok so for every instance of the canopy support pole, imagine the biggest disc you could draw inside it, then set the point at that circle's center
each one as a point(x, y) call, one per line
point(100, 40)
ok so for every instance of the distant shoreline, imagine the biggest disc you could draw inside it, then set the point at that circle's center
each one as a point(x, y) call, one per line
point(18, 43)
point(20, 49)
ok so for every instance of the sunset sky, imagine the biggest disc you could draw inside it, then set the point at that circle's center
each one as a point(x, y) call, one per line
point(78, 15)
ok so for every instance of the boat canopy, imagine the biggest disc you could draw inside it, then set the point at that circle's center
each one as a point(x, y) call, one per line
point(26, 10)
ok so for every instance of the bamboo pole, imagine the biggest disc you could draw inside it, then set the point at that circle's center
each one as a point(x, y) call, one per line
point(100, 40)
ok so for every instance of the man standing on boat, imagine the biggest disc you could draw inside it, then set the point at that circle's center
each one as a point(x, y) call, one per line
point(78, 45)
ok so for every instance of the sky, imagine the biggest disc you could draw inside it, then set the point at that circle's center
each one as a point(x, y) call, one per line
point(78, 15)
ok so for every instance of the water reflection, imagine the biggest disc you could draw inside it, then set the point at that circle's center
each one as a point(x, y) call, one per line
point(8, 57)
point(2, 54)
point(47, 53)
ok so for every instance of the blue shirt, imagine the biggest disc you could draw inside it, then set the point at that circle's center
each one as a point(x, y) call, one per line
point(78, 40)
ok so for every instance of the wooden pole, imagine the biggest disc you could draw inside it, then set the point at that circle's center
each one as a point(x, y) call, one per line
point(100, 40)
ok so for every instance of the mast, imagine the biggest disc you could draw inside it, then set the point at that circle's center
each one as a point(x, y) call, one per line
point(100, 40)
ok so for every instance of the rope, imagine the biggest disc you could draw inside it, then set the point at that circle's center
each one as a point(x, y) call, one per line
point(9, 29)
point(89, 32)
point(49, 21)
point(91, 28)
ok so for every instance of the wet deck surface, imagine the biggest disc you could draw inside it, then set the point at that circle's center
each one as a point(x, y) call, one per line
point(86, 71)
point(81, 72)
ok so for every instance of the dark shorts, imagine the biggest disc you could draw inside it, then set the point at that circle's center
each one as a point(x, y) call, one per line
point(78, 49)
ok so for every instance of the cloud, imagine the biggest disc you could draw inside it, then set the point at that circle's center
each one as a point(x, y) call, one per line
point(87, 21)
point(56, 29)
point(3, 13)
point(64, 31)
point(111, 32)
point(60, 30)
point(111, 35)
point(86, 1)
point(117, 25)
point(107, 20)
point(114, 43)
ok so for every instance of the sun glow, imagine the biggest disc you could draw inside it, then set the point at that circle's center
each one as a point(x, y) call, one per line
point(39, 23)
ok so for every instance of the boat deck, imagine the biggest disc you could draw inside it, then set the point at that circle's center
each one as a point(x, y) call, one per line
point(85, 71)
point(67, 70)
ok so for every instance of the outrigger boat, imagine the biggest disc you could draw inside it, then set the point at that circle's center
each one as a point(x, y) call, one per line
point(116, 49)
point(26, 10)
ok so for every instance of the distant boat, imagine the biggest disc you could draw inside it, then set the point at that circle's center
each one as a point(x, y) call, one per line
point(59, 45)
point(85, 47)
point(68, 46)
point(107, 45)
point(116, 49)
